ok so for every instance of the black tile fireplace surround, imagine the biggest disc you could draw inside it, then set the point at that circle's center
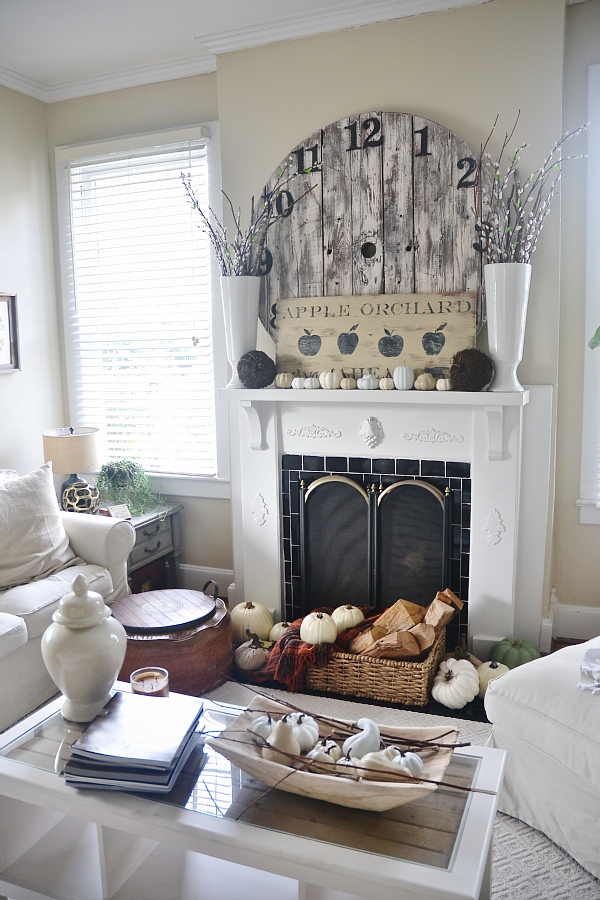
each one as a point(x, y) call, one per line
point(381, 473)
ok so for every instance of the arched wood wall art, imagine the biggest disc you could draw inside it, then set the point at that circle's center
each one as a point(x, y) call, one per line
point(375, 205)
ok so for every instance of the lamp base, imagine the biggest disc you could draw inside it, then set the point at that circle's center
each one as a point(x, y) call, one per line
point(79, 496)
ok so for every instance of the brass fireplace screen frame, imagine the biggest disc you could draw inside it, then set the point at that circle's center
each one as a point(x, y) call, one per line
point(381, 557)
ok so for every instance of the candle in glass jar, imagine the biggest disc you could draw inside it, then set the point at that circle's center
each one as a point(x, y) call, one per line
point(151, 681)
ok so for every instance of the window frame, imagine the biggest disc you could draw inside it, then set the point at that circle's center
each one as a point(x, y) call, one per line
point(216, 486)
point(589, 490)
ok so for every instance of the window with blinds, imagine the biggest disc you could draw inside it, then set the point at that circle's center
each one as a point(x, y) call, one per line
point(137, 298)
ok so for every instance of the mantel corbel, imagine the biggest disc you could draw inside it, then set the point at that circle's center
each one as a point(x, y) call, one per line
point(495, 420)
point(252, 410)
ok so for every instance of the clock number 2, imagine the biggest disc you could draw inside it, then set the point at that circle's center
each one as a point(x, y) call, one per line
point(372, 127)
point(471, 166)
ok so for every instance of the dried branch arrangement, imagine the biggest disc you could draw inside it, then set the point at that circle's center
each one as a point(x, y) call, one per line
point(244, 253)
point(513, 211)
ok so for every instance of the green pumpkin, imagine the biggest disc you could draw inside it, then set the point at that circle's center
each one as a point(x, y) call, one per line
point(512, 652)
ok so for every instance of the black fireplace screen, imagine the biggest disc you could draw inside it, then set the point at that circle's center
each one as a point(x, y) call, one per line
point(369, 531)
point(371, 546)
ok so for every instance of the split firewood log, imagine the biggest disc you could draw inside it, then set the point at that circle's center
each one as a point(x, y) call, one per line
point(396, 645)
point(439, 613)
point(401, 616)
point(448, 596)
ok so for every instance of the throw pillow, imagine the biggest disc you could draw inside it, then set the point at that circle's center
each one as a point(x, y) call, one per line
point(33, 541)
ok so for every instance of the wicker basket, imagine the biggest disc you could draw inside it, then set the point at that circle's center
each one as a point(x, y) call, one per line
point(355, 675)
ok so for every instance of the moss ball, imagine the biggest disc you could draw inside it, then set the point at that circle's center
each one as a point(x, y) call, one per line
point(256, 369)
point(471, 370)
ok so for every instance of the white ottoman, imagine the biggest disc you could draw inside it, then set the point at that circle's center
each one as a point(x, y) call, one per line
point(550, 729)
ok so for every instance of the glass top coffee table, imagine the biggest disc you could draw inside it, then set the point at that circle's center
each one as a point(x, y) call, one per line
point(222, 828)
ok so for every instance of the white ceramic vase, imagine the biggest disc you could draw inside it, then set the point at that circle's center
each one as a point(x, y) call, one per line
point(240, 295)
point(506, 294)
point(83, 650)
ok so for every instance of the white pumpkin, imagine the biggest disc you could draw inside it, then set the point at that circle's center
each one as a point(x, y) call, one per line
point(318, 628)
point(425, 382)
point(284, 380)
point(298, 382)
point(387, 382)
point(348, 383)
point(347, 617)
point(456, 683)
point(252, 616)
point(368, 382)
point(487, 672)
point(278, 630)
point(312, 383)
point(331, 380)
point(250, 655)
point(443, 384)
point(404, 378)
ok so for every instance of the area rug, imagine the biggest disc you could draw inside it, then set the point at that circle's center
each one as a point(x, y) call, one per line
point(527, 865)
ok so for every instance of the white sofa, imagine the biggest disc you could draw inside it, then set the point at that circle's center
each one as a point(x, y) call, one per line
point(550, 729)
point(96, 546)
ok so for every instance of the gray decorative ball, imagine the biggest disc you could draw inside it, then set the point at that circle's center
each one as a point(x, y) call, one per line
point(256, 369)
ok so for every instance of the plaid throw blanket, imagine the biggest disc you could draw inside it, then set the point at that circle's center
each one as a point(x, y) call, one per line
point(291, 658)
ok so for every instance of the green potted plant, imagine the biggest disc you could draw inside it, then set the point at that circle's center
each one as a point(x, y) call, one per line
point(124, 481)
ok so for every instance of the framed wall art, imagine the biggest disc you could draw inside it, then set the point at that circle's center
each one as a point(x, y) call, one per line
point(9, 337)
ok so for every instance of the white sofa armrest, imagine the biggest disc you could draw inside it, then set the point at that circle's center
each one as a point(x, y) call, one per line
point(104, 542)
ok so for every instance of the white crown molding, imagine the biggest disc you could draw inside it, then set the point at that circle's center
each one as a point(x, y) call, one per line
point(115, 81)
point(349, 15)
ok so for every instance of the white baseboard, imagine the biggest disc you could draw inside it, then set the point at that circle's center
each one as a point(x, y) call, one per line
point(193, 578)
point(576, 622)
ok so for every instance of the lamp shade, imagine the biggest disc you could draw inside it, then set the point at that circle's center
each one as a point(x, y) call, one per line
point(72, 450)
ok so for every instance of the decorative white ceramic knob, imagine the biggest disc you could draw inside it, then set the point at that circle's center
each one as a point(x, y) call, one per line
point(83, 650)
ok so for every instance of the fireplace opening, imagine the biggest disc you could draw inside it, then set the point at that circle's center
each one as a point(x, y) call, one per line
point(370, 547)
point(367, 532)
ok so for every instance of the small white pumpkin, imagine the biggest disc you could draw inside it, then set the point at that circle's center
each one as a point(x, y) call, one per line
point(425, 382)
point(298, 382)
point(306, 730)
point(251, 655)
point(253, 616)
point(443, 384)
point(347, 617)
point(284, 380)
point(312, 383)
point(404, 378)
point(348, 383)
point(368, 382)
point(261, 727)
point(318, 628)
point(331, 380)
point(456, 683)
point(278, 630)
point(387, 382)
point(487, 672)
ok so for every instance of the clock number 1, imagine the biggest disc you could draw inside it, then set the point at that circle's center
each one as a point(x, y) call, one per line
point(371, 139)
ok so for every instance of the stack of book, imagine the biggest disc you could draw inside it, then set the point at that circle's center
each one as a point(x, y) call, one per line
point(136, 743)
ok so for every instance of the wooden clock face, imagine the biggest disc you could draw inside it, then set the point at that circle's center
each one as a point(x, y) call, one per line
point(379, 203)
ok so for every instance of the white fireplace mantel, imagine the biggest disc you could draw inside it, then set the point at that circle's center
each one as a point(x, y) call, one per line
point(494, 404)
point(504, 436)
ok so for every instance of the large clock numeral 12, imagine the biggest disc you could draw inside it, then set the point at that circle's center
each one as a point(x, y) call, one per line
point(371, 139)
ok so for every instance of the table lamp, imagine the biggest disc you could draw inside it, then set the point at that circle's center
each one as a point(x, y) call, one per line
point(71, 450)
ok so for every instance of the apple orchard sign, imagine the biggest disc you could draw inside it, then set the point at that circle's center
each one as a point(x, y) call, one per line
point(358, 334)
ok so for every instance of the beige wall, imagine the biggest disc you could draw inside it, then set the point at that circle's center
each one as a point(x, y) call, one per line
point(461, 68)
point(576, 573)
point(30, 400)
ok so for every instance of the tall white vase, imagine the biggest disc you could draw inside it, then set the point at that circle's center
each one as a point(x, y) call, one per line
point(506, 294)
point(240, 294)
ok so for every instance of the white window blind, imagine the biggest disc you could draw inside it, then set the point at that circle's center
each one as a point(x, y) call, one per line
point(589, 501)
point(138, 308)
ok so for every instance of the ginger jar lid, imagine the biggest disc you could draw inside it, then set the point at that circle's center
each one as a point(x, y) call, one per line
point(81, 608)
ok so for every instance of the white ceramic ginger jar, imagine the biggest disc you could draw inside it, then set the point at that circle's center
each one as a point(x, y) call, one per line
point(83, 650)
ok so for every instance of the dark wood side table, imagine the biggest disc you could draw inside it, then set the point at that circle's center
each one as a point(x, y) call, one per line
point(154, 561)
